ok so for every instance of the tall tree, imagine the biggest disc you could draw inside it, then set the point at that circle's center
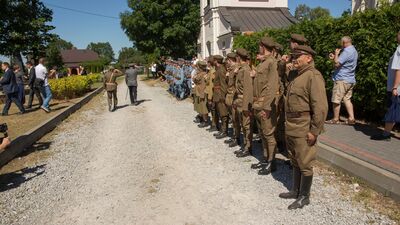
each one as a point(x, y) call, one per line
point(24, 29)
point(53, 52)
point(131, 55)
point(302, 12)
point(104, 49)
point(163, 27)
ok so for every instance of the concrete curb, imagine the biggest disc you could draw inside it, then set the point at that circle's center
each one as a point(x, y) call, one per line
point(19, 144)
point(379, 179)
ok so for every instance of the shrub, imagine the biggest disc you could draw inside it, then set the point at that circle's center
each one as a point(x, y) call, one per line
point(73, 86)
point(373, 33)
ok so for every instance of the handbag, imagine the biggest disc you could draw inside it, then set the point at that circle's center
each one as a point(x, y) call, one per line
point(111, 86)
point(393, 113)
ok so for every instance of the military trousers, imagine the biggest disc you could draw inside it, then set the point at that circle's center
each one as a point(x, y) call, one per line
point(235, 116)
point(280, 130)
point(112, 99)
point(267, 127)
point(246, 121)
point(201, 105)
point(214, 114)
point(301, 154)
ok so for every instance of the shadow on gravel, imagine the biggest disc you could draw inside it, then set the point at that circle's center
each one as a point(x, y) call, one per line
point(369, 130)
point(139, 102)
point(13, 180)
point(38, 146)
point(283, 173)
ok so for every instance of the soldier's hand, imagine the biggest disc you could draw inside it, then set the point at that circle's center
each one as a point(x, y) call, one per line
point(331, 56)
point(311, 139)
point(252, 73)
point(265, 114)
point(285, 58)
point(289, 66)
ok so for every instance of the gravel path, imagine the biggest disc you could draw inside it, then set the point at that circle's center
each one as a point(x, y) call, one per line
point(150, 164)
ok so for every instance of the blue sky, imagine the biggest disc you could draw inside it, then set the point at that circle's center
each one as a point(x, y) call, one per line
point(81, 29)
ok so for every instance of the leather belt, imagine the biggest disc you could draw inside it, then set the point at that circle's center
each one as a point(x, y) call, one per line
point(297, 114)
point(240, 96)
point(260, 99)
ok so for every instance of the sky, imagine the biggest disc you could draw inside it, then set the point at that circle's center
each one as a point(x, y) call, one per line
point(81, 29)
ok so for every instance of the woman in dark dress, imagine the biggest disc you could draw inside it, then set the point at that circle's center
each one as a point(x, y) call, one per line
point(19, 74)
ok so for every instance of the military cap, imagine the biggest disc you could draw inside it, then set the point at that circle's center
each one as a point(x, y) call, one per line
point(210, 58)
point(304, 49)
point(111, 68)
point(232, 55)
point(268, 42)
point(242, 53)
point(202, 64)
point(298, 38)
point(218, 58)
point(278, 47)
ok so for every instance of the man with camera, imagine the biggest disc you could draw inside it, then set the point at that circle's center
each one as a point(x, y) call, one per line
point(344, 77)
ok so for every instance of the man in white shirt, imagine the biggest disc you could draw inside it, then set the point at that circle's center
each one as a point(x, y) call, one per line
point(393, 84)
point(43, 83)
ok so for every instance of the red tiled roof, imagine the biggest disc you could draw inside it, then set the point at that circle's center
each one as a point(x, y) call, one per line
point(75, 56)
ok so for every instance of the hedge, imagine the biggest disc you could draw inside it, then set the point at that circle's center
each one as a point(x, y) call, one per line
point(73, 86)
point(374, 36)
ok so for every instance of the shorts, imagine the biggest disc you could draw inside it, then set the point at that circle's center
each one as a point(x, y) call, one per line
point(342, 91)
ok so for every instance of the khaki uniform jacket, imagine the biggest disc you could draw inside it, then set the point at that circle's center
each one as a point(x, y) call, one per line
point(210, 76)
point(306, 93)
point(220, 84)
point(266, 84)
point(244, 88)
point(199, 80)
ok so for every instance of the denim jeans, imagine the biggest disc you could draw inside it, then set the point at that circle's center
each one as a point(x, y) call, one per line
point(46, 92)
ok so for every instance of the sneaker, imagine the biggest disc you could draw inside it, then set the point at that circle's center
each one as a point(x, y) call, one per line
point(381, 137)
point(45, 109)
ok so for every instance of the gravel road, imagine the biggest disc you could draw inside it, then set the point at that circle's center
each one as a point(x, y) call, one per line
point(149, 164)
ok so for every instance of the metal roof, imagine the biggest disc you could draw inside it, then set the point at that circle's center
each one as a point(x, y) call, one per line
point(75, 56)
point(244, 19)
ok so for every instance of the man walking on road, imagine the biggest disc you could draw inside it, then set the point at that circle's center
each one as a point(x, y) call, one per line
point(10, 89)
point(131, 81)
point(306, 111)
point(43, 83)
point(110, 85)
point(34, 90)
point(344, 78)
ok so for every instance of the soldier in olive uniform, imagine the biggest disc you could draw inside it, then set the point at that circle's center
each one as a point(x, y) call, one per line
point(306, 110)
point(110, 85)
point(266, 95)
point(219, 92)
point(200, 95)
point(210, 92)
point(286, 71)
point(244, 101)
point(230, 97)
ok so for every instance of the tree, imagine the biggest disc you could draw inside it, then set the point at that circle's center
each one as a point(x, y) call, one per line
point(24, 29)
point(104, 50)
point(131, 55)
point(53, 52)
point(319, 12)
point(302, 12)
point(163, 27)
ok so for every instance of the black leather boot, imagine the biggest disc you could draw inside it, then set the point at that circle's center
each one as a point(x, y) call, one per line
point(267, 168)
point(202, 125)
point(259, 164)
point(218, 133)
point(234, 143)
point(229, 141)
point(221, 135)
point(243, 153)
point(294, 193)
point(304, 194)
point(212, 129)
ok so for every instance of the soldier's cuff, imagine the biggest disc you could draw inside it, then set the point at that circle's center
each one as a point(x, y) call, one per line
point(315, 131)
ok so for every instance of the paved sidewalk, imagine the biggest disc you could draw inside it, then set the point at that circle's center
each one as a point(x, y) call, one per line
point(355, 141)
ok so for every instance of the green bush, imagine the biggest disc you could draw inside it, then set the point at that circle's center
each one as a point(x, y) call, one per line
point(374, 36)
point(73, 86)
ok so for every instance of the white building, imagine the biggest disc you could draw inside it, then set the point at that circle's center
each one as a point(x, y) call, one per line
point(222, 19)
point(361, 5)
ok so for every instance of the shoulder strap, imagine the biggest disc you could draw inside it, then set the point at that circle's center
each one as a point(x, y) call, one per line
point(112, 75)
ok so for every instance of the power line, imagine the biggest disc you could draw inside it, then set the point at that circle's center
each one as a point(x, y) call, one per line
point(81, 11)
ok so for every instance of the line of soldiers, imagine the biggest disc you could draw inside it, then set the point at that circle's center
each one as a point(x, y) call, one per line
point(284, 95)
point(178, 76)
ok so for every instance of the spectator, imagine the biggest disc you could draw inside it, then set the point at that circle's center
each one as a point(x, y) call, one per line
point(54, 74)
point(153, 70)
point(19, 76)
point(344, 78)
point(131, 81)
point(82, 70)
point(34, 90)
point(43, 83)
point(10, 89)
point(393, 84)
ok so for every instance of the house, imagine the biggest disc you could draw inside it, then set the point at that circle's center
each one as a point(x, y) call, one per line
point(361, 5)
point(73, 58)
point(221, 20)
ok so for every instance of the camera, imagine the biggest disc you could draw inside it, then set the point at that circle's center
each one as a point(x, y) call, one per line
point(4, 129)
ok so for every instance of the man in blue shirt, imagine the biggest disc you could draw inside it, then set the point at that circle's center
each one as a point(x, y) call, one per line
point(344, 78)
